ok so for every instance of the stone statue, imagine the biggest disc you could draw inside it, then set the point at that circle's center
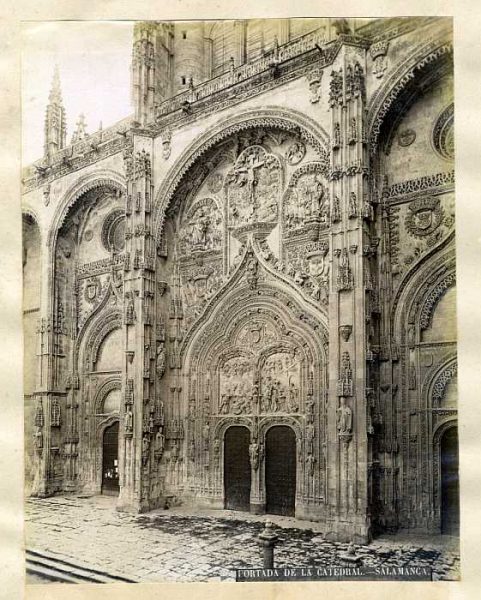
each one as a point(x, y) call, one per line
point(352, 205)
point(344, 417)
point(310, 433)
point(145, 449)
point(254, 454)
point(310, 460)
point(38, 439)
point(159, 443)
point(160, 360)
point(224, 403)
point(206, 435)
point(129, 421)
point(129, 312)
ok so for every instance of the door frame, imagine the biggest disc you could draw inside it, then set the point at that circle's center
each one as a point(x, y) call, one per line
point(437, 469)
point(296, 437)
point(249, 434)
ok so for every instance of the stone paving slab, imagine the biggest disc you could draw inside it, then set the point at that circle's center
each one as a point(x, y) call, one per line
point(182, 545)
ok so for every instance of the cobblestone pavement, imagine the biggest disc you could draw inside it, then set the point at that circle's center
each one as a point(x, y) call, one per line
point(181, 545)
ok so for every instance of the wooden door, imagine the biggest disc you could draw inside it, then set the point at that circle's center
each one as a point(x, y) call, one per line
point(237, 469)
point(280, 470)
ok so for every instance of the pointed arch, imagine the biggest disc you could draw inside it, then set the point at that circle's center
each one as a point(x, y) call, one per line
point(271, 116)
point(403, 78)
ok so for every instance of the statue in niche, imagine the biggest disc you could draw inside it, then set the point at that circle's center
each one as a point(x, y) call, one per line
point(310, 461)
point(353, 130)
point(337, 135)
point(160, 359)
point(129, 421)
point(159, 443)
point(293, 398)
point(206, 435)
point(336, 210)
point(200, 229)
point(224, 404)
point(254, 454)
point(344, 417)
point(38, 439)
point(310, 434)
point(145, 449)
point(352, 205)
point(174, 451)
point(129, 312)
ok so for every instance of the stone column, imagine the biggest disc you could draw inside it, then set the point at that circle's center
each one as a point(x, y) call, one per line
point(350, 214)
point(139, 418)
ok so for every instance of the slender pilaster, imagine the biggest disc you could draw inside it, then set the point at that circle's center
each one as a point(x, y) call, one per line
point(350, 214)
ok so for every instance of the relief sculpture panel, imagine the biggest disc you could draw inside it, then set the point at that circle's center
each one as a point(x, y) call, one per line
point(253, 188)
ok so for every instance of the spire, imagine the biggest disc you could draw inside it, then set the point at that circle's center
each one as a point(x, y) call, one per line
point(81, 130)
point(55, 96)
point(55, 121)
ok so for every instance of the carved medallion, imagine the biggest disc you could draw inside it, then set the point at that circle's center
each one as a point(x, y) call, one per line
point(295, 153)
point(406, 137)
point(424, 216)
point(214, 183)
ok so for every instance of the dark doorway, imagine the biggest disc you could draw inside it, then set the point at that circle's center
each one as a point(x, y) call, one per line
point(110, 460)
point(237, 468)
point(280, 471)
point(449, 482)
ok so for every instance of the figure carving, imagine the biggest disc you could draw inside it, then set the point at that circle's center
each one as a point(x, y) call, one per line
point(253, 186)
point(128, 421)
point(344, 417)
point(254, 454)
point(295, 153)
point(160, 360)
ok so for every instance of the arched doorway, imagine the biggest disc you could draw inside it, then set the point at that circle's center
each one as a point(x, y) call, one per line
point(449, 482)
point(110, 460)
point(237, 469)
point(280, 469)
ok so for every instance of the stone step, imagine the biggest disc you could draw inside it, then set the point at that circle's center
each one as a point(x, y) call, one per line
point(55, 568)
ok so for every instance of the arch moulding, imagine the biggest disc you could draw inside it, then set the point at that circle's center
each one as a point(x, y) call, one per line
point(97, 179)
point(273, 116)
point(400, 77)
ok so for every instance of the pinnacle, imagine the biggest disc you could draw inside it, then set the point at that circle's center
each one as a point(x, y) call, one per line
point(55, 96)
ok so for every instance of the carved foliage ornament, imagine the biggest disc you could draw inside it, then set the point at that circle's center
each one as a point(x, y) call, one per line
point(442, 381)
point(424, 216)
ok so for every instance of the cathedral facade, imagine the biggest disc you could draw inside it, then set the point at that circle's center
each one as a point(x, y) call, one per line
point(243, 295)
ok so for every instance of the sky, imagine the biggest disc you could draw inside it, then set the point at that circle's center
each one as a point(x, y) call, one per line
point(94, 64)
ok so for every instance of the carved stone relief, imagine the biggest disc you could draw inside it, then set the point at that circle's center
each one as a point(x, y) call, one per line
point(253, 188)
